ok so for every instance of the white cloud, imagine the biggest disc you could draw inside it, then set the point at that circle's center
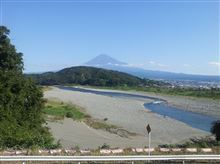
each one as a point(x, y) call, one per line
point(161, 65)
point(215, 63)
point(186, 65)
point(134, 65)
point(157, 64)
point(151, 62)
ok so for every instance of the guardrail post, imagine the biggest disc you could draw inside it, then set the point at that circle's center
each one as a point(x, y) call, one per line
point(183, 162)
point(132, 162)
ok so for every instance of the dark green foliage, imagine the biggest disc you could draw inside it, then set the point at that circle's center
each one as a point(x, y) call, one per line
point(105, 146)
point(86, 76)
point(10, 60)
point(90, 76)
point(213, 93)
point(69, 115)
point(164, 88)
point(216, 129)
point(20, 102)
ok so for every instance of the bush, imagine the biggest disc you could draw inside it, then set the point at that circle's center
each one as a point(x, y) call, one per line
point(69, 115)
point(105, 146)
point(216, 129)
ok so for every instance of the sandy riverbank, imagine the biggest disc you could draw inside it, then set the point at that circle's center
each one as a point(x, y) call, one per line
point(126, 113)
point(204, 106)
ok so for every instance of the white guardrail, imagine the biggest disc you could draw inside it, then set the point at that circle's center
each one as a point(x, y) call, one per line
point(110, 158)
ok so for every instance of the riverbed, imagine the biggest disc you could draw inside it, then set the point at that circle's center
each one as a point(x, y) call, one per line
point(128, 113)
point(159, 106)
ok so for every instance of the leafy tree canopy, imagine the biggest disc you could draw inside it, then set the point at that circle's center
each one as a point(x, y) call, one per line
point(10, 60)
point(20, 102)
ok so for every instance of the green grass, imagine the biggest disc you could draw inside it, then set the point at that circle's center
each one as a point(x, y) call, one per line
point(60, 110)
point(56, 110)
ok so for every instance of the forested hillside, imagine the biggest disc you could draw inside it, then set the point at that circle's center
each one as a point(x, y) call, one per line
point(91, 76)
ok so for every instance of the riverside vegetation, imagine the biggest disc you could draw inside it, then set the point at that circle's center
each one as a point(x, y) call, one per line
point(56, 110)
point(213, 93)
point(59, 110)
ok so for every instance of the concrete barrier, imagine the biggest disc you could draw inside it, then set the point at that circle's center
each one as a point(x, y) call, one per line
point(206, 150)
point(176, 149)
point(147, 149)
point(20, 152)
point(117, 151)
point(85, 151)
point(69, 151)
point(164, 149)
point(105, 151)
point(8, 153)
point(191, 150)
point(43, 151)
point(55, 151)
point(139, 150)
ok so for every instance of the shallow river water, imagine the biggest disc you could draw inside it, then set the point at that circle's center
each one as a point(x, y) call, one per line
point(159, 106)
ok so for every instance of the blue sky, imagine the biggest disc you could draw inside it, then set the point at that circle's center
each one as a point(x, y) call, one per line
point(158, 35)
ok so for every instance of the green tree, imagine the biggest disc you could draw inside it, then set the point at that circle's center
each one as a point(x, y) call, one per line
point(216, 129)
point(21, 120)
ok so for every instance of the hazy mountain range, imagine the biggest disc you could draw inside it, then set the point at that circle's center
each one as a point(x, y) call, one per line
point(103, 59)
point(107, 62)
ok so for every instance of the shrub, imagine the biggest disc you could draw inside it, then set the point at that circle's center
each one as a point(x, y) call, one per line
point(69, 115)
point(216, 129)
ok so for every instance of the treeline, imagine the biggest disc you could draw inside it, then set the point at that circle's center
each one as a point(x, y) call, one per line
point(213, 93)
point(21, 102)
point(92, 76)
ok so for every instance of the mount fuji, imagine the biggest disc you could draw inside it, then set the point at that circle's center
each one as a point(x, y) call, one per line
point(107, 62)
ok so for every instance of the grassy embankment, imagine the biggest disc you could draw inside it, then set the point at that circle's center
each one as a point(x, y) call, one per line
point(57, 110)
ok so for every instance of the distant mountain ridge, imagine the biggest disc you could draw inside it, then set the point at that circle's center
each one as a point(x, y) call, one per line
point(107, 62)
